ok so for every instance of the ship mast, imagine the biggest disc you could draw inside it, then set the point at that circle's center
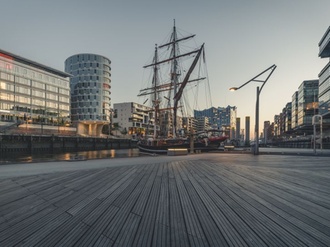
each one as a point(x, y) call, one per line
point(174, 71)
point(155, 99)
point(174, 87)
point(174, 75)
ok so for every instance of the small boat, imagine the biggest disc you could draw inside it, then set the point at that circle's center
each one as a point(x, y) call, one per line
point(168, 97)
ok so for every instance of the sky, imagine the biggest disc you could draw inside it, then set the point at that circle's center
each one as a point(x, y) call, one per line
point(242, 38)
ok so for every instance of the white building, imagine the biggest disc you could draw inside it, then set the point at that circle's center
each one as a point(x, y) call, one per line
point(189, 124)
point(203, 124)
point(133, 119)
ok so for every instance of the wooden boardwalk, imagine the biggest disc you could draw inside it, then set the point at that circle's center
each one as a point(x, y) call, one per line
point(228, 201)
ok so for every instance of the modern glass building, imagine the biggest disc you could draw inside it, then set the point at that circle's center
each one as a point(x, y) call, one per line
point(212, 114)
point(31, 92)
point(238, 129)
point(324, 79)
point(247, 130)
point(277, 125)
point(267, 132)
point(294, 110)
point(221, 117)
point(288, 117)
point(90, 92)
point(307, 102)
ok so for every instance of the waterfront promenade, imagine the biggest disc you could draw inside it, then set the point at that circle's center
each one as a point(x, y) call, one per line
point(215, 199)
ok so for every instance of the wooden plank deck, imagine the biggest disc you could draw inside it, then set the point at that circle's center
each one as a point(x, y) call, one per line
point(228, 201)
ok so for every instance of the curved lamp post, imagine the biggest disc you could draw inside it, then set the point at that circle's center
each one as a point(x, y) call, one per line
point(255, 79)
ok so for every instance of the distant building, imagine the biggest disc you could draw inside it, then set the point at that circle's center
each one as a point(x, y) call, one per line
point(247, 130)
point(238, 128)
point(288, 117)
point(212, 114)
point(189, 124)
point(228, 117)
point(271, 131)
point(307, 104)
point(282, 122)
point(294, 110)
point(90, 92)
point(222, 118)
point(134, 119)
point(31, 92)
point(267, 131)
point(203, 124)
point(165, 119)
point(277, 125)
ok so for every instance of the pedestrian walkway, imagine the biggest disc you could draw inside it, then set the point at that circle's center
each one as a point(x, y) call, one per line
point(213, 199)
point(296, 151)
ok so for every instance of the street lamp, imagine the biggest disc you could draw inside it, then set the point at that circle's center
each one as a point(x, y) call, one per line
point(255, 79)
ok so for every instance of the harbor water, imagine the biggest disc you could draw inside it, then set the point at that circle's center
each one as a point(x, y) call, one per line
point(42, 157)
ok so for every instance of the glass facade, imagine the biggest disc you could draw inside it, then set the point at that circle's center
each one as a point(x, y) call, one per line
point(294, 113)
point(307, 102)
point(219, 117)
point(324, 78)
point(324, 90)
point(32, 92)
point(90, 87)
point(288, 117)
point(212, 114)
point(277, 125)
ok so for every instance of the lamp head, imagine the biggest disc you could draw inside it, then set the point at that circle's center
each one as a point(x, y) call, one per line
point(233, 88)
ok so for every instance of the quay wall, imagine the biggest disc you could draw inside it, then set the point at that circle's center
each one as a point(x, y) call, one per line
point(308, 143)
point(53, 144)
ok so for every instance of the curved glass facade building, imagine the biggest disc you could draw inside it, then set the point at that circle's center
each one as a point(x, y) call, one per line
point(90, 85)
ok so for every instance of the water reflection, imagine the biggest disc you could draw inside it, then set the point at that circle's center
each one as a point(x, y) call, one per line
point(99, 154)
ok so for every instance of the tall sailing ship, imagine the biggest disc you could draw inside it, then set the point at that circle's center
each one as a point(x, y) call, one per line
point(168, 98)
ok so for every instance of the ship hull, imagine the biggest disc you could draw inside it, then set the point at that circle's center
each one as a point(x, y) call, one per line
point(162, 149)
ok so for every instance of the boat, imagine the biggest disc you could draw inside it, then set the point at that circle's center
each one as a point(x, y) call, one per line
point(168, 95)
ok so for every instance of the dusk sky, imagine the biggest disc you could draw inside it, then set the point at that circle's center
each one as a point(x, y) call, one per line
point(242, 38)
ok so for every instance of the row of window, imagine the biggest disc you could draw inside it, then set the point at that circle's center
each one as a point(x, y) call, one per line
point(85, 110)
point(10, 87)
point(35, 101)
point(86, 77)
point(19, 70)
point(30, 93)
point(93, 117)
point(86, 91)
point(83, 98)
point(42, 109)
point(84, 104)
point(88, 57)
point(75, 66)
point(80, 84)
